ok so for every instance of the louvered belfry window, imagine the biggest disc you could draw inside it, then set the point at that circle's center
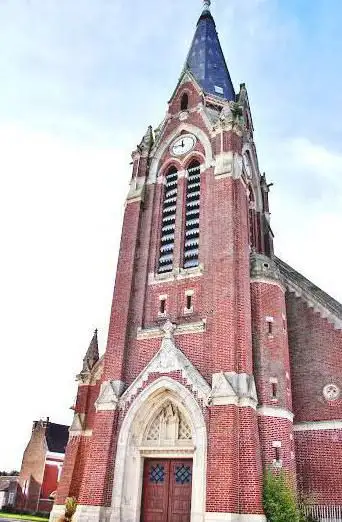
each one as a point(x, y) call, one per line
point(192, 214)
point(167, 241)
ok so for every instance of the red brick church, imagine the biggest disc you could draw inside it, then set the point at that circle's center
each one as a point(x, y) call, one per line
point(221, 360)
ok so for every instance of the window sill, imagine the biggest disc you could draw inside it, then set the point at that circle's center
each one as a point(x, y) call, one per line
point(176, 275)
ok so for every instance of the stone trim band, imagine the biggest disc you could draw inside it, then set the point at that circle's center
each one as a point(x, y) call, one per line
point(318, 425)
point(280, 413)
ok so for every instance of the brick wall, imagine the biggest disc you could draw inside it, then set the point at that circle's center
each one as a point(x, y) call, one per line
point(319, 465)
point(315, 354)
point(270, 345)
point(67, 486)
point(32, 469)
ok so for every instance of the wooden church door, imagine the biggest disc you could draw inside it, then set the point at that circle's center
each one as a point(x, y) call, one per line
point(167, 489)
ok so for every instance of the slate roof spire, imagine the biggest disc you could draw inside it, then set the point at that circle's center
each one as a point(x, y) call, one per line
point(92, 354)
point(206, 60)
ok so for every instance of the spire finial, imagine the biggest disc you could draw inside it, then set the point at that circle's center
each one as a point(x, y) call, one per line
point(206, 5)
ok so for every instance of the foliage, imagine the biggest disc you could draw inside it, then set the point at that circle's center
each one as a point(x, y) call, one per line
point(279, 498)
point(304, 502)
point(12, 473)
point(7, 509)
point(306, 518)
point(309, 518)
point(70, 509)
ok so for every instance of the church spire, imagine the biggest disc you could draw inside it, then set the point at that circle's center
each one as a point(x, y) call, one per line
point(92, 355)
point(206, 60)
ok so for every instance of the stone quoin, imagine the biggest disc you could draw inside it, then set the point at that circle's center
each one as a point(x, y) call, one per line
point(221, 359)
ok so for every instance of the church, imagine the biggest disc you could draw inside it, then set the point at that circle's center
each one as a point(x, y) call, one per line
point(222, 360)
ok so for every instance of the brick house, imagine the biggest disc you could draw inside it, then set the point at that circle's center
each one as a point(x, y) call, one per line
point(8, 491)
point(41, 466)
point(221, 359)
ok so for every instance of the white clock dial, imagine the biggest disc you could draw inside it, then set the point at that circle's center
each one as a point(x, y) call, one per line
point(183, 145)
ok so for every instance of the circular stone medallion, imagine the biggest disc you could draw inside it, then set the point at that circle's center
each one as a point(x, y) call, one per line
point(331, 392)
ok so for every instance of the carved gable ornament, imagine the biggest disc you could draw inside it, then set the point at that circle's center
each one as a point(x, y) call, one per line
point(234, 388)
point(170, 359)
point(169, 427)
point(109, 395)
point(77, 423)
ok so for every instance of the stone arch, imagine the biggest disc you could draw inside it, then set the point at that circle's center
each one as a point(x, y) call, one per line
point(192, 158)
point(192, 129)
point(169, 164)
point(132, 448)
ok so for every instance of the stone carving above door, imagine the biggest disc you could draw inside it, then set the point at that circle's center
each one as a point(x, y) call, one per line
point(168, 428)
point(169, 359)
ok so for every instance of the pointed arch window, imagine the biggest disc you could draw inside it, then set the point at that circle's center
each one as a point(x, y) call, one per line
point(168, 224)
point(192, 215)
point(184, 102)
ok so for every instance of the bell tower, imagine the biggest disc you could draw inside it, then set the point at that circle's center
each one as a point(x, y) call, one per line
point(166, 424)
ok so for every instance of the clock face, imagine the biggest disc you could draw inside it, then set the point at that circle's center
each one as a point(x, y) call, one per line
point(183, 145)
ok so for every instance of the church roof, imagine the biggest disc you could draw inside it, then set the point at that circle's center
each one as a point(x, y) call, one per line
point(57, 437)
point(5, 482)
point(206, 60)
point(311, 293)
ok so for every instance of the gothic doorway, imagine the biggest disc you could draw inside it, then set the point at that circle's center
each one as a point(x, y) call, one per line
point(167, 489)
point(163, 425)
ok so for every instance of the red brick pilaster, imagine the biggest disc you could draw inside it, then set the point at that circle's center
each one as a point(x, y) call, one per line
point(97, 480)
point(223, 460)
point(115, 354)
point(231, 314)
point(66, 481)
point(250, 469)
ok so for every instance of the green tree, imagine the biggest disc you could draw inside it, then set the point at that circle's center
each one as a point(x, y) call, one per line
point(279, 498)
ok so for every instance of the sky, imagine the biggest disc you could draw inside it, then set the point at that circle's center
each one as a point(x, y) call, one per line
point(80, 81)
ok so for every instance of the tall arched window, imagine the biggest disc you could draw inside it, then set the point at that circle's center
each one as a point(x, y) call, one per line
point(168, 225)
point(184, 102)
point(192, 215)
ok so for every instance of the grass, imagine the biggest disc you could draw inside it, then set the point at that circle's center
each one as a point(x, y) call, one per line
point(22, 517)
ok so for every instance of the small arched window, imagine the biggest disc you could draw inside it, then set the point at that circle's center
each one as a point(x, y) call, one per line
point(184, 102)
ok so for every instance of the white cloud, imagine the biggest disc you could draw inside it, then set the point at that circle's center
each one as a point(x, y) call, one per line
point(307, 215)
point(327, 164)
